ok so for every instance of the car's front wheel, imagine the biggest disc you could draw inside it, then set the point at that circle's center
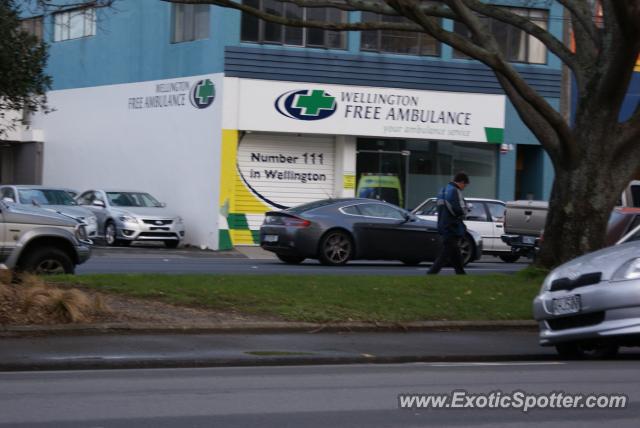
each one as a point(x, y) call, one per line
point(292, 260)
point(582, 351)
point(47, 261)
point(110, 233)
point(336, 248)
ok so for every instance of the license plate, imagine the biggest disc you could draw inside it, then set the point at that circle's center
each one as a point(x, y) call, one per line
point(566, 305)
point(528, 240)
point(270, 238)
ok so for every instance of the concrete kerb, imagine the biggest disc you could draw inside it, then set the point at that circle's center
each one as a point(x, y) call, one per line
point(261, 328)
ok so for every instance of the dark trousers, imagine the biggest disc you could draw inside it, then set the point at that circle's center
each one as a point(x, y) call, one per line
point(450, 253)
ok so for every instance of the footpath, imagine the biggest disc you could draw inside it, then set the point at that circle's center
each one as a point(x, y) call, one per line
point(170, 336)
point(93, 350)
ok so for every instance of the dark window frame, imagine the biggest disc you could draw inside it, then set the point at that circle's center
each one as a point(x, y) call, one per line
point(193, 31)
point(62, 23)
point(263, 26)
point(513, 33)
point(420, 36)
point(33, 25)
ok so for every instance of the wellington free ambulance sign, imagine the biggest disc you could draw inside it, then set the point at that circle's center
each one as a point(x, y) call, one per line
point(365, 111)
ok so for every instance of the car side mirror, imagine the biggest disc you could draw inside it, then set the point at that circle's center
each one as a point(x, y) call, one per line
point(98, 203)
point(163, 205)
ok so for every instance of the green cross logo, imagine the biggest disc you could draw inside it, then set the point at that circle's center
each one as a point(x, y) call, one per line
point(203, 94)
point(311, 104)
point(306, 104)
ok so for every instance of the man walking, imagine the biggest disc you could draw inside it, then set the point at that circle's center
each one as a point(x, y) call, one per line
point(452, 210)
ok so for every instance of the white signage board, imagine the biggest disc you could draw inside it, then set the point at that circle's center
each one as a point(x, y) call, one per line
point(286, 173)
point(365, 111)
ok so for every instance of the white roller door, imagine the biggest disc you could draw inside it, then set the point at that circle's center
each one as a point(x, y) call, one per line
point(287, 170)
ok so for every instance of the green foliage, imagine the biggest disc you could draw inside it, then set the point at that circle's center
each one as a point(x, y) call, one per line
point(23, 58)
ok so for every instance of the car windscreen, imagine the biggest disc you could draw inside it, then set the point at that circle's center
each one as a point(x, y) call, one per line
point(132, 199)
point(311, 206)
point(428, 208)
point(45, 197)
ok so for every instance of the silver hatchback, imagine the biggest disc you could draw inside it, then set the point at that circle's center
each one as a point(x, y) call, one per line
point(590, 306)
point(128, 216)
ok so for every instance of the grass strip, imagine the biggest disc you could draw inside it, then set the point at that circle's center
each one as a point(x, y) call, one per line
point(329, 298)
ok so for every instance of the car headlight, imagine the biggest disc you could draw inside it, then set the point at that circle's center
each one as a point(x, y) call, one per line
point(629, 270)
point(178, 220)
point(81, 233)
point(127, 219)
point(546, 284)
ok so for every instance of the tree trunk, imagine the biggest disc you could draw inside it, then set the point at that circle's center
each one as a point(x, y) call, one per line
point(582, 199)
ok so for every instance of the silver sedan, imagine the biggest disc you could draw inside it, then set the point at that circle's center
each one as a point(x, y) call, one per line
point(590, 306)
point(126, 216)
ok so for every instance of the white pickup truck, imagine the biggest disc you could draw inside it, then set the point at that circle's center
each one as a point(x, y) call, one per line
point(524, 220)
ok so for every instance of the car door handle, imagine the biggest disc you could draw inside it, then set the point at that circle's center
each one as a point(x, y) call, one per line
point(499, 225)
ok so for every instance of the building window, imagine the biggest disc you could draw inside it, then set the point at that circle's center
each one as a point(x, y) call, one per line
point(394, 41)
point(258, 31)
point(190, 22)
point(74, 24)
point(515, 44)
point(32, 26)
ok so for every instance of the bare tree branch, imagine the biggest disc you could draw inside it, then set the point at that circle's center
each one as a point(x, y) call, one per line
point(583, 18)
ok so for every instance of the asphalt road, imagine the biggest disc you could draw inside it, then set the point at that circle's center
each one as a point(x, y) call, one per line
point(182, 261)
point(311, 396)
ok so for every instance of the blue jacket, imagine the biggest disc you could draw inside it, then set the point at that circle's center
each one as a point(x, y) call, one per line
point(452, 210)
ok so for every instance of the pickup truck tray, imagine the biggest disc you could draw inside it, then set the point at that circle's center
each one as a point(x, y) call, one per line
point(525, 217)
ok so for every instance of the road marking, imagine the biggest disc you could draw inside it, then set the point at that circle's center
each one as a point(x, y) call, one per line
point(512, 363)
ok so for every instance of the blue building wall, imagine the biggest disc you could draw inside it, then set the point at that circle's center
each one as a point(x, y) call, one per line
point(133, 44)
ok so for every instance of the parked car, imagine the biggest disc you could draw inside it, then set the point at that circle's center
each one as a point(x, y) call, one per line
point(486, 216)
point(383, 187)
point(39, 241)
point(335, 231)
point(524, 224)
point(590, 306)
point(52, 199)
point(128, 216)
point(621, 222)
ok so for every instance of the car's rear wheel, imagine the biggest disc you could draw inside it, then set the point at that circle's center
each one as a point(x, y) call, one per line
point(336, 248)
point(582, 351)
point(171, 244)
point(292, 260)
point(509, 258)
point(47, 261)
point(467, 248)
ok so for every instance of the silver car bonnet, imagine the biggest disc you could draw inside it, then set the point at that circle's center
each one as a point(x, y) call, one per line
point(15, 213)
point(607, 261)
point(70, 210)
point(145, 212)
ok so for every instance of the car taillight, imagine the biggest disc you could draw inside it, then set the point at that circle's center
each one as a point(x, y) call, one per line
point(295, 222)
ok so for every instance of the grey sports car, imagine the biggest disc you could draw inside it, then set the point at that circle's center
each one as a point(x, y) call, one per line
point(590, 306)
point(335, 231)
